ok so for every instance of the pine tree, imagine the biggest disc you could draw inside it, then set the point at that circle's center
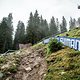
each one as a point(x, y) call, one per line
point(44, 27)
point(63, 25)
point(57, 24)
point(37, 28)
point(42, 35)
point(19, 35)
point(7, 29)
point(72, 23)
point(79, 21)
point(53, 27)
point(4, 35)
point(33, 28)
point(9, 23)
point(30, 29)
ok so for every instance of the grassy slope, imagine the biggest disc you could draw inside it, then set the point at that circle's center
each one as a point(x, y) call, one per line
point(65, 64)
point(72, 33)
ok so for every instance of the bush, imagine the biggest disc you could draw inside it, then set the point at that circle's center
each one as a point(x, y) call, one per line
point(54, 45)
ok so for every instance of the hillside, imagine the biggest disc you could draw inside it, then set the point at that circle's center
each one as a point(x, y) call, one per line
point(72, 33)
point(64, 65)
point(25, 64)
point(34, 63)
point(30, 64)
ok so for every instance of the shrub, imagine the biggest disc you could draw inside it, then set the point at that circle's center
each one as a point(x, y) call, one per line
point(53, 46)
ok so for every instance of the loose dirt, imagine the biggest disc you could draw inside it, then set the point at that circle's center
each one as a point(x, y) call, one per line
point(33, 66)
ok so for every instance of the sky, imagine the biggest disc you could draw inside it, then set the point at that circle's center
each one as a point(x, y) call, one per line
point(21, 9)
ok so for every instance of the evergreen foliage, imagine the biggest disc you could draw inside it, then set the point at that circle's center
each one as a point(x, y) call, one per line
point(72, 23)
point(79, 21)
point(63, 25)
point(44, 28)
point(30, 29)
point(57, 25)
point(53, 27)
point(37, 28)
point(19, 35)
point(4, 37)
point(6, 31)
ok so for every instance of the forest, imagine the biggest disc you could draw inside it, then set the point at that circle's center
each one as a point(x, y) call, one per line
point(36, 29)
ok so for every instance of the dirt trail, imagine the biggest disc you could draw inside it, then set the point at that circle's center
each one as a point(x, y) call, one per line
point(32, 66)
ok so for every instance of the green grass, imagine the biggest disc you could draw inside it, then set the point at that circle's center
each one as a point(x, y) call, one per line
point(64, 65)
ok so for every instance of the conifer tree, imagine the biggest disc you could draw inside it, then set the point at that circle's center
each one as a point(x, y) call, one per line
point(37, 28)
point(44, 27)
point(79, 21)
point(63, 25)
point(19, 35)
point(57, 25)
point(33, 30)
point(9, 23)
point(30, 29)
point(4, 35)
point(7, 29)
point(53, 27)
point(72, 23)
